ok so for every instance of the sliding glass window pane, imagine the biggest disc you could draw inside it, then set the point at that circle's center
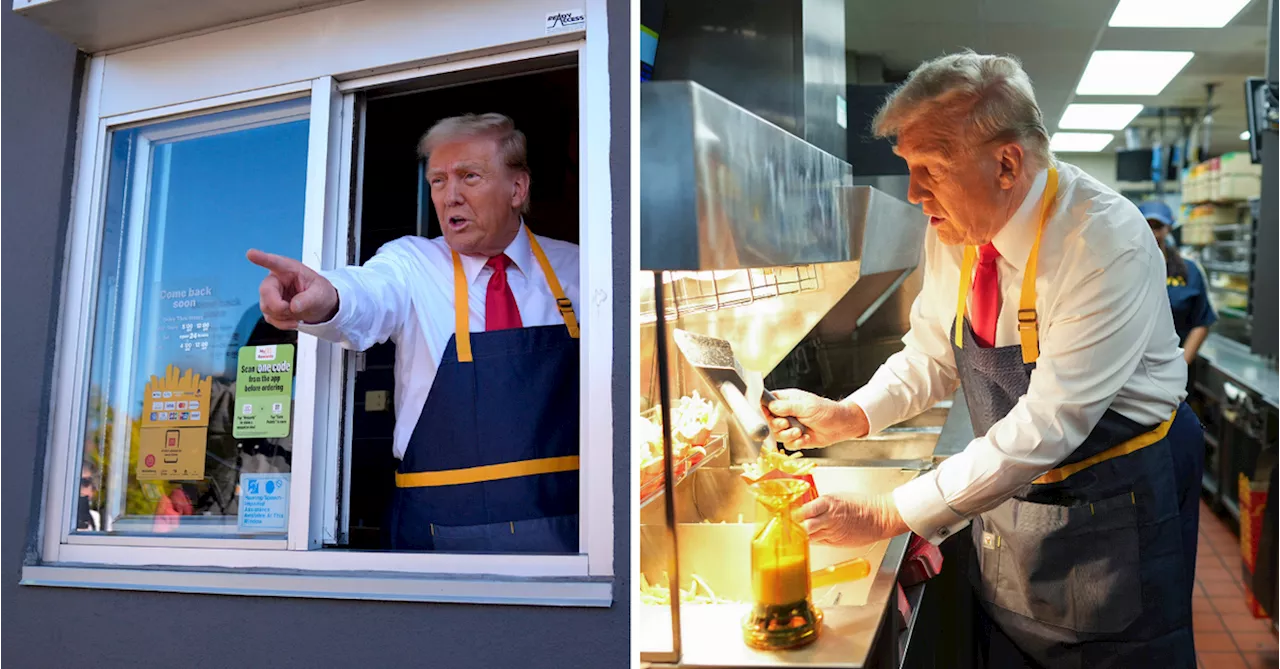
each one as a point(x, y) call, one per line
point(172, 442)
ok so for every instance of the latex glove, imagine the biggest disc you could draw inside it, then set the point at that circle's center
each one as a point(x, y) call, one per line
point(826, 421)
point(851, 520)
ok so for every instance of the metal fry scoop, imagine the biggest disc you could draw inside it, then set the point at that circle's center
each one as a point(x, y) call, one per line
point(714, 359)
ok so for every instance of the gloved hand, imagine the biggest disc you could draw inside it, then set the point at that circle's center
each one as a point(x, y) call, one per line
point(851, 520)
point(826, 421)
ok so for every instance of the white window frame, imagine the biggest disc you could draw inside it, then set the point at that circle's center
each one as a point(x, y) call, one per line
point(297, 565)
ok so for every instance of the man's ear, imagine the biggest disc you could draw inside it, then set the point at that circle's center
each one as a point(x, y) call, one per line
point(1011, 161)
point(520, 190)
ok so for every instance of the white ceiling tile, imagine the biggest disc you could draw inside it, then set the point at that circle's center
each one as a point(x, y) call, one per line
point(1054, 41)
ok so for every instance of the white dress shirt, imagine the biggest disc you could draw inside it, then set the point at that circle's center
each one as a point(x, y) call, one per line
point(1106, 341)
point(404, 293)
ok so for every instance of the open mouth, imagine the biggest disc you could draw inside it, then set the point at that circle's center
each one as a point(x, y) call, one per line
point(458, 222)
point(936, 220)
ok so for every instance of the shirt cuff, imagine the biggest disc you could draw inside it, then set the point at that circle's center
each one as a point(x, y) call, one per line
point(878, 406)
point(925, 511)
point(333, 329)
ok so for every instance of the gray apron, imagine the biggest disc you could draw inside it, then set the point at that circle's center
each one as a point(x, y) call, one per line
point(1096, 570)
point(1090, 566)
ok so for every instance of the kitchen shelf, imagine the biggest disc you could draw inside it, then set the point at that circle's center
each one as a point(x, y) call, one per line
point(1228, 268)
point(1219, 203)
point(713, 290)
point(648, 492)
point(1234, 312)
point(1223, 289)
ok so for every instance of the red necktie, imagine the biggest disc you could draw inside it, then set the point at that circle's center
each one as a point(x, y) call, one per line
point(986, 297)
point(500, 310)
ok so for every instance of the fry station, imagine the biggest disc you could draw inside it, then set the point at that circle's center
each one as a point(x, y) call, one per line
point(754, 250)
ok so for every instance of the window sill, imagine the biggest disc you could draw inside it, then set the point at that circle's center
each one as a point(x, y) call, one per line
point(443, 588)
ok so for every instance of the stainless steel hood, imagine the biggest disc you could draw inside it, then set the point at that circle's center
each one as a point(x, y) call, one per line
point(724, 190)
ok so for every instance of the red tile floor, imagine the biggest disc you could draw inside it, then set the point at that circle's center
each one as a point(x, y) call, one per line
point(1227, 635)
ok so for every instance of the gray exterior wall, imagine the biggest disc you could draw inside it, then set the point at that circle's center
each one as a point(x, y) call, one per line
point(55, 627)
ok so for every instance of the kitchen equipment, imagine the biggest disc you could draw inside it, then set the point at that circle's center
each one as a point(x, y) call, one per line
point(714, 359)
point(752, 231)
point(783, 615)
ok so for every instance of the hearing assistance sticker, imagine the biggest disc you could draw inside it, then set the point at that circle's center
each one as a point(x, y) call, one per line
point(264, 503)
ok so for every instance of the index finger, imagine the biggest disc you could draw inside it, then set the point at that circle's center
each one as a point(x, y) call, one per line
point(270, 261)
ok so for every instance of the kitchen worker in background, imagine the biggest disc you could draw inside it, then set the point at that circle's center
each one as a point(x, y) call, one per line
point(1043, 299)
point(486, 351)
point(1188, 291)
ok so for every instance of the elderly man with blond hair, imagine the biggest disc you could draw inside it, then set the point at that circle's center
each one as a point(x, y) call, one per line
point(1044, 301)
point(486, 351)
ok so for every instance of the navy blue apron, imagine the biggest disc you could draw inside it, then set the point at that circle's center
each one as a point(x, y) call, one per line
point(1092, 566)
point(492, 464)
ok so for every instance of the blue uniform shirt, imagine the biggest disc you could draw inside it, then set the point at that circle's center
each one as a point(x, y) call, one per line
point(1190, 302)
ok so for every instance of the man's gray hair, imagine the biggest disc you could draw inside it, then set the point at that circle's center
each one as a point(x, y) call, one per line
point(512, 146)
point(993, 93)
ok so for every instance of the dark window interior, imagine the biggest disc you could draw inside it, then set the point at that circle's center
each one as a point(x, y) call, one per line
point(544, 105)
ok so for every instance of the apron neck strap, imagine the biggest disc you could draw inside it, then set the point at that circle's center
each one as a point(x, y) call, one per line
point(1028, 322)
point(462, 308)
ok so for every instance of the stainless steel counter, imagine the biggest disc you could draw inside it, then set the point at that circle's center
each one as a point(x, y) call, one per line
point(854, 612)
point(862, 630)
point(1237, 362)
point(957, 431)
point(848, 635)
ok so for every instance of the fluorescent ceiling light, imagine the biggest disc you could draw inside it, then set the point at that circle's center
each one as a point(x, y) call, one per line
point(1175, 13)
point(1245, 135)
point(1080, 142)
point(1098, 117)
point(1131, 72)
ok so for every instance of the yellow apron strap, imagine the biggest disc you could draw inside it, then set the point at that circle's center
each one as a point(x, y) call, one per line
point(1027, 320)
point(506, 470)
point(1137, 443)
point(966, 278)
point(562, 302)
point(461, 310)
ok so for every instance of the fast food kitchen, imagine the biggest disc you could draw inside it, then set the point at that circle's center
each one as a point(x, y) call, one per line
point(720, 278)
point(778, 251)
